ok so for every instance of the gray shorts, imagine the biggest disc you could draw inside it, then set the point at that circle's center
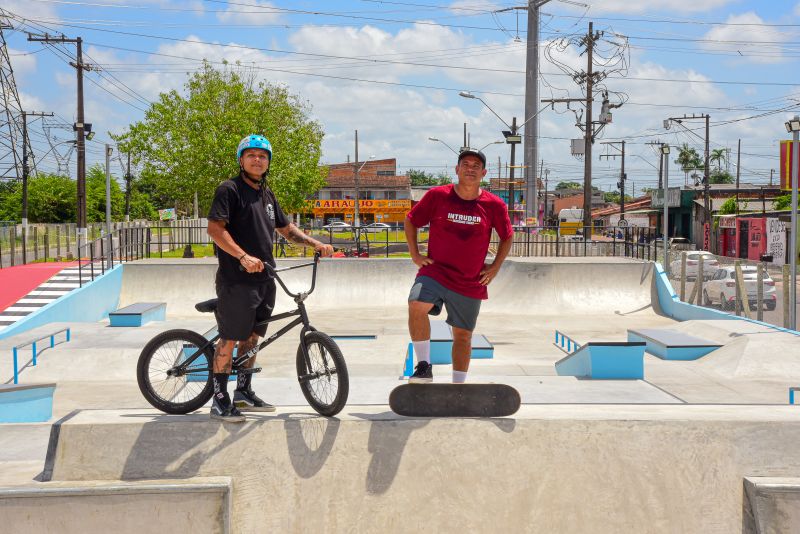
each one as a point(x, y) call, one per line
point(462, 312)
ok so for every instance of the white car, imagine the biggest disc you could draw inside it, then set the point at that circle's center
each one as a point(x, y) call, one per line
point(338, 225)
point(721, 289)
point(710, 265)
point(376, 227)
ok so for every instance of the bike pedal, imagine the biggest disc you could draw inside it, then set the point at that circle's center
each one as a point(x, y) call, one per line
point(250, 371)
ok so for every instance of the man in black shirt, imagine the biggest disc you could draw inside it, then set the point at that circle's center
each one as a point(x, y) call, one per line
point(243, 217)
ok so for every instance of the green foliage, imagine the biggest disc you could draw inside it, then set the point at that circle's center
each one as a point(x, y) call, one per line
point(688, 159)
point(187, 142)
point(96, 196)
point(569, 185)
point(719, 176)
point(718, 156)
point(783, 202)
point(613, 197)
point(728, 207)
point(51, 199)
point(423, 178)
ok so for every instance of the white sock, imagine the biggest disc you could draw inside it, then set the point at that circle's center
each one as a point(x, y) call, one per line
point(422, 349)
point(459, 377)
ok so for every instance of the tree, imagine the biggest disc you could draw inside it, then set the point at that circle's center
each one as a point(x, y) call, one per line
point(688, 159)
point(51, 199)
point(718, 156)
point(96, 196)
point(612, 197)
point(719, 176)
point(569, 185)
point(783, 202)
point(187, 142)
point(423, 178)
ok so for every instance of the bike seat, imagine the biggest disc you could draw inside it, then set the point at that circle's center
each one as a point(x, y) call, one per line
point(206, 306)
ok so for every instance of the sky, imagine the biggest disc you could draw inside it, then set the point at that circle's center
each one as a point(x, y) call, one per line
point(393, 71)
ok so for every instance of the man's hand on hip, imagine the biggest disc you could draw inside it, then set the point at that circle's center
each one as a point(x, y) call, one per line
point(421, 261)
point(488, 273)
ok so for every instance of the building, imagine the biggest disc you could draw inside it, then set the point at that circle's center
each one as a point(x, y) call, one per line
point(383, 195)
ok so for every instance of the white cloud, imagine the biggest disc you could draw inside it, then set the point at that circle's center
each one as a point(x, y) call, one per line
point(254, 12)
point(23, 62)
point(749, 41)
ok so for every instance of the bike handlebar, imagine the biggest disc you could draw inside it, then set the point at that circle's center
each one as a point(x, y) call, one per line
point(300, 295)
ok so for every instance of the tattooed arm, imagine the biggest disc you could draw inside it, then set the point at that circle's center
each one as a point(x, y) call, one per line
point(294, 235)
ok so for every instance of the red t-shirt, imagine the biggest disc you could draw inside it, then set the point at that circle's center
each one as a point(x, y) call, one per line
point(459, 236)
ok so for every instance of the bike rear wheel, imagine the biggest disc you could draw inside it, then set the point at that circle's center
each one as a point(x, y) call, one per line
point(170, 393)
point(326, 384)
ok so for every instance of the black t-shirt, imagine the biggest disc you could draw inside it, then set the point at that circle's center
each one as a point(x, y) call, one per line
point(251, 216)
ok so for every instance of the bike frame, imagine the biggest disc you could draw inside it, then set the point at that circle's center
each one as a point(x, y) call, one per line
point(301, 318)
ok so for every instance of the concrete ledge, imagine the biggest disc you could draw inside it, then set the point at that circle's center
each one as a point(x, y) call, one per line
point(671, 345)
point(197, 505)
point(604, 360)
point(556, 468)
point(772, 505)
point(138, 314)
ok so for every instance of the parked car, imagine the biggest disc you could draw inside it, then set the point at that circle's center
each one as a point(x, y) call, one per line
point(337, 226)
point(376, 227)
point(710, 265)
point(721, 289)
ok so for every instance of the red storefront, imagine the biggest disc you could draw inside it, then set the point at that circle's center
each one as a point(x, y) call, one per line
point(727, 236)
point(751, 240)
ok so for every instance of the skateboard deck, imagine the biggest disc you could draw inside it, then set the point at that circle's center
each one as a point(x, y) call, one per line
point(454, 400)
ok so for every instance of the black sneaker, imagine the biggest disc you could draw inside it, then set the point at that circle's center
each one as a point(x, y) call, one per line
point(248, 401)
point(423, 373)
point(224, 410)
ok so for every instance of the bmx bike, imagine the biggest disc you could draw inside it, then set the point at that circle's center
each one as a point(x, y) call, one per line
point(174, 371)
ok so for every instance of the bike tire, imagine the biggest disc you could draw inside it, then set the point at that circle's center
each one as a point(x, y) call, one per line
point(174, 394)
point(327, 393)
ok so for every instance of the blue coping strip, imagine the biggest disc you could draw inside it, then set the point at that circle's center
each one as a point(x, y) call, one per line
point(672, 306)
point(672, 352)
point(138, 314)
point(609, 361)
point(87, 304)
point(31, 404)
point(791, 394)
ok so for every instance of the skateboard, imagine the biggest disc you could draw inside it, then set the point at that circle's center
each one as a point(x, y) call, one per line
point(454, 400)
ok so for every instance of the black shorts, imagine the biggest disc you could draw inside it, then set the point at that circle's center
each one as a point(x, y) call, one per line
point(241, 306)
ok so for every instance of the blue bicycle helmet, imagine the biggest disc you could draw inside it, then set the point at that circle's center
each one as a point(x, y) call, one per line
point(254, 141)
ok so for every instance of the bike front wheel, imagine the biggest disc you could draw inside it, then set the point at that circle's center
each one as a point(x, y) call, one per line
point(171, 392)
point(324, 379)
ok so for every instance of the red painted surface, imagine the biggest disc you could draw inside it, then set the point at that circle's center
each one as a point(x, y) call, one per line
point(757, 242)
point(18, 281)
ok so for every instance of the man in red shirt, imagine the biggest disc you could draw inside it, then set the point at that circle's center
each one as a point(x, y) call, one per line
point(454, 274)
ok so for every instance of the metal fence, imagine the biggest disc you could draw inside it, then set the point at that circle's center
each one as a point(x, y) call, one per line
point(756, 290)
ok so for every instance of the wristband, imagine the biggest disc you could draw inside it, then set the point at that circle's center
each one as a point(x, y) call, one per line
point(243, 255)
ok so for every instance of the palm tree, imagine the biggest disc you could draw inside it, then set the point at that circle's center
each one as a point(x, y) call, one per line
point(688, 159)
point(719, 155)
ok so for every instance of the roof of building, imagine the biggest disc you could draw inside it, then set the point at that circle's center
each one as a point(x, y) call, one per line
point(374, 174)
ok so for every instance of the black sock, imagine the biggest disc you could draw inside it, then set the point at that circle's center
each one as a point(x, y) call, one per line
point(220, 383)
point(243, 381)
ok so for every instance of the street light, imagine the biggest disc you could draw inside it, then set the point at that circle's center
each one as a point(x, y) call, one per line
point(793, 127)
point(492, 143)
point(512, 138)
point(357, 221)
point(445, 144)
point(665, 155)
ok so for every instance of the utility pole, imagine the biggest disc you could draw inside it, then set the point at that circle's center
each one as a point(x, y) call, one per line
point(588, 137)
point(128, 180)
point(25, 173)
point(706, 173)
point(356, 216)
point(738, 166)
point(513, 141)
point(622, 175)
point(80, 127)
point(531, 146)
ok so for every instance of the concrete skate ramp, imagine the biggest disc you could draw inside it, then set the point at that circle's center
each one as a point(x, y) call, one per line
point(524, 286)
point(556, 468)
